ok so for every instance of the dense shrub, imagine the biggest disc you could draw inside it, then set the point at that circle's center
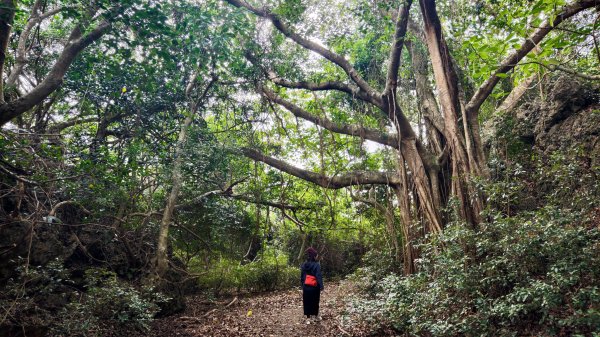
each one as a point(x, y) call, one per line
point(340, 254)
point(51, 299)
point(532, 274)
point(109, 302)
point(269, 271)
point(532, 269)
point(340, 257)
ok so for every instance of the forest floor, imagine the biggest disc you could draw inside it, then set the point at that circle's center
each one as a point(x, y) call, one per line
point(277, 313)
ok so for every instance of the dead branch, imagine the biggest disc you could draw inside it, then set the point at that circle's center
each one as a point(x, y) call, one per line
point(17, 177)
point(343, 331)
point(210, 312)
point(232, 302)
point(84, 249)
point(188, 318)
point(68, 202)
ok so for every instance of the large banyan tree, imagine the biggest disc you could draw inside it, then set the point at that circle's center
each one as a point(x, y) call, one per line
point(440, 153)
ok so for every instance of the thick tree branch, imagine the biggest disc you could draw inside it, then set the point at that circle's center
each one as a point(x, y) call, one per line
point(281, 206)
point(227, 192)
point(530, 43)
point(17, 176)
point(67, 202)
point(428, 104)
point(327, 85)
point(7, 16)
point(396, 51)
point(53, 80)
point(515, 94)
point(58, 127)
point(241, 197)
point(200, 199)
point(301, 225)
point(352, 130)
point(335, 182)
point(21, 57)
point(310, 45)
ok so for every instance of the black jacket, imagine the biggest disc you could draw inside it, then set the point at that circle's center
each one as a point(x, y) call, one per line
point(311, 268)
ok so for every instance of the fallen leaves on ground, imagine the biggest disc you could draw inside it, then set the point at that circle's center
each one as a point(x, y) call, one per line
point(277, 313)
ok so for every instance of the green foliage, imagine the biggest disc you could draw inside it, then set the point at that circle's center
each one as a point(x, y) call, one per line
point(126, 96)
point(532, 274)
point(291, 10)
point(29, 283)
point(69, 305)
point(530, 270)
point(108, 302)
point(567, 180)
point(482, 33)
point(269, 271)
point(340, 254)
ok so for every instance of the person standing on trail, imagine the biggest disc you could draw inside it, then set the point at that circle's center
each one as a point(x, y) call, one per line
point(312, 284)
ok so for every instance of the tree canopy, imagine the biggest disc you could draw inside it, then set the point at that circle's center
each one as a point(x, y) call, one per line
point(211, 142)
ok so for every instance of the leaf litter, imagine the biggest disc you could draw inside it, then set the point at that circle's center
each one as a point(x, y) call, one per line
point(277, 313)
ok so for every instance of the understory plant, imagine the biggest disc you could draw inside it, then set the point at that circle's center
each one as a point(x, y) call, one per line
point(269, 271)
point(96, 303)
point(533, 274)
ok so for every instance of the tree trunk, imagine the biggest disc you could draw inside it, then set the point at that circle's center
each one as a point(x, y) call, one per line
point(387, 211)
point(510, 102)
point(406, 223)
point(300, 257)
point(163, 236)
point(391, 225)
point(422, 181)
point(465, 147)
point(99, 138)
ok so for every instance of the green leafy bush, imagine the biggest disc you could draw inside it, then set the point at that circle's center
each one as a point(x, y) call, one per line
point(50, 297)
point(108, 303)
point(532, 274)
point(269, 271)
point(30, 297)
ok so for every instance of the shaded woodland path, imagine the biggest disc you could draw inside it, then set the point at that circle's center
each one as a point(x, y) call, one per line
point(278, 313)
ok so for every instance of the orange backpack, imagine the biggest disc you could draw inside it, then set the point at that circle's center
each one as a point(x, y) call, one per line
point(310, 281)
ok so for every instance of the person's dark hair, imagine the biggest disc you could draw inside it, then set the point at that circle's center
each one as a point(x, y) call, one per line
point(311, 253)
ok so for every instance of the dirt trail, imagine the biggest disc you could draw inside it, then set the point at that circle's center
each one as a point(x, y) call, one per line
point(272, 314)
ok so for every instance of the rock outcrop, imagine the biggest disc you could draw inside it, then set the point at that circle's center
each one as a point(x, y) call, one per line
point(568, 116)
